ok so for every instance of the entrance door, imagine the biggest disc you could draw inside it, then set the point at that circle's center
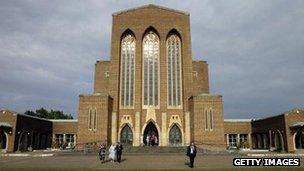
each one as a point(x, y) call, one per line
point(2, 140)
point(151, 137)
point(23, 141)
point(278, 141)
point(126, 135)
point(175, 136)
point(299, 140)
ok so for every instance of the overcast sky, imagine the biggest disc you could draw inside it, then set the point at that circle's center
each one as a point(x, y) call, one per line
point(255, 51)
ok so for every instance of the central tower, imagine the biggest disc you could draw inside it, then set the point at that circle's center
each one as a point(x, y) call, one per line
point(148, 90)
point(150, 63)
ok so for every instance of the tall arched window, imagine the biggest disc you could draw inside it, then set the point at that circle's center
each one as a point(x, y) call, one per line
point(211, 119)
point(206, 119)
point(90, 119)
point(174, 70)
point(127, 70)
point(299, 140)
point(150, 69)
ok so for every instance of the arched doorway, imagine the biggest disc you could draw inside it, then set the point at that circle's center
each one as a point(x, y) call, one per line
point(259, 141)
point(23, 141)
point(151, 137)
point(175, 136)
point(3, 140)
point(126, 135)
point(278, 141)
point(299, 140)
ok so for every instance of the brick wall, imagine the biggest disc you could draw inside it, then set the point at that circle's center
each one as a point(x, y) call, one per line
point(102, 103)
point(65, 127)
point(138, 21)
point(208, 138)
point(292, 117)
point(237, 127)
point(200, 77)
point(101, 77)
point(10, 118)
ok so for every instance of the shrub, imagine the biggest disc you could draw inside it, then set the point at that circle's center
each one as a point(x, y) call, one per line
point(244, 144)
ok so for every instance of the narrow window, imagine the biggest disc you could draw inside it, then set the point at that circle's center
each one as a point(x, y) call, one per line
point(90, 119)
point(95, 119)
point(127, 70)
point(211, 119)
point(59, 139)
point(150, 69)
point(174, 70)
point(243, 138)
point(206, 120)
point(232, 140)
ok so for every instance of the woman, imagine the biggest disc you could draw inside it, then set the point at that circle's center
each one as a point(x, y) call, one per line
point(112, 151)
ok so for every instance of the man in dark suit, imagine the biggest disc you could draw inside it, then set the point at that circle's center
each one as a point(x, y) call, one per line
point(191, 153)
point(118, 149)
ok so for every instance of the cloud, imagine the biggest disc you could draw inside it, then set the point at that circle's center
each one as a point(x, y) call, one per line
point(254, 50)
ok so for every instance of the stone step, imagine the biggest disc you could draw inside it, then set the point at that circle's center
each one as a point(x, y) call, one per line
point(154, 149)
point(158, 150)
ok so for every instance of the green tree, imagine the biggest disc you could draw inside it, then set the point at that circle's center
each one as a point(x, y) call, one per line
point(31, 113)
point(53, 114)
point(42, 113)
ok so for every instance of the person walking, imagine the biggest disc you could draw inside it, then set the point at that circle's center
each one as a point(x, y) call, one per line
point(119, 149)
point(148, 140)
point(191, 153)
point(152, 140)
point(102, 153)
point(112, 153)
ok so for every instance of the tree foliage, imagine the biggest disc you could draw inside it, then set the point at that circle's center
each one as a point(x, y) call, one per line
point(53, 114)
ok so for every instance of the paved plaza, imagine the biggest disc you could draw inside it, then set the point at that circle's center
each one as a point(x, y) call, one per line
point(177, 161)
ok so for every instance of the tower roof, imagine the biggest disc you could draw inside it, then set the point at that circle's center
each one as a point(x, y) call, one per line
point(151, 6)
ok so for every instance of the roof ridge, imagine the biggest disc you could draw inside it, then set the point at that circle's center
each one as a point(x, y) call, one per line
point(150, 5)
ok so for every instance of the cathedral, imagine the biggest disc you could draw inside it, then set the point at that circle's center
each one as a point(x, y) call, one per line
point(151, 91)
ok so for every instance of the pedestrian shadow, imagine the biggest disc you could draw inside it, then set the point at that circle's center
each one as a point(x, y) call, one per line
point(105, 161)
point(109, 160)
point(123, 160)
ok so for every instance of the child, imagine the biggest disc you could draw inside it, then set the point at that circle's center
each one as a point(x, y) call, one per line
point(102, 153)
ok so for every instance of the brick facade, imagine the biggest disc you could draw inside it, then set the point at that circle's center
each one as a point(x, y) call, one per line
point(162, 21)
point(24, 132)
point(10, 118)
point(208, 136)
point(65, 126)
point(200, 77)
point(101, 77)
point(102, 103)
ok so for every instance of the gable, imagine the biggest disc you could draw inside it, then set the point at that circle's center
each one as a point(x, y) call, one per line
point(152, 7)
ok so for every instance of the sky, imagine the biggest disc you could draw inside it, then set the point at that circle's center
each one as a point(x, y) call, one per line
point(254, 48)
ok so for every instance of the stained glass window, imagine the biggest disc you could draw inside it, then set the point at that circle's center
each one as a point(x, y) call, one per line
point(150, 69)
point(127, 70)
point(175, 135)
point(126, 136)
point(174, 70)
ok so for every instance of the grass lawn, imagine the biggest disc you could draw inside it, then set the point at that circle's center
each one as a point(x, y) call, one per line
point(98, 169)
